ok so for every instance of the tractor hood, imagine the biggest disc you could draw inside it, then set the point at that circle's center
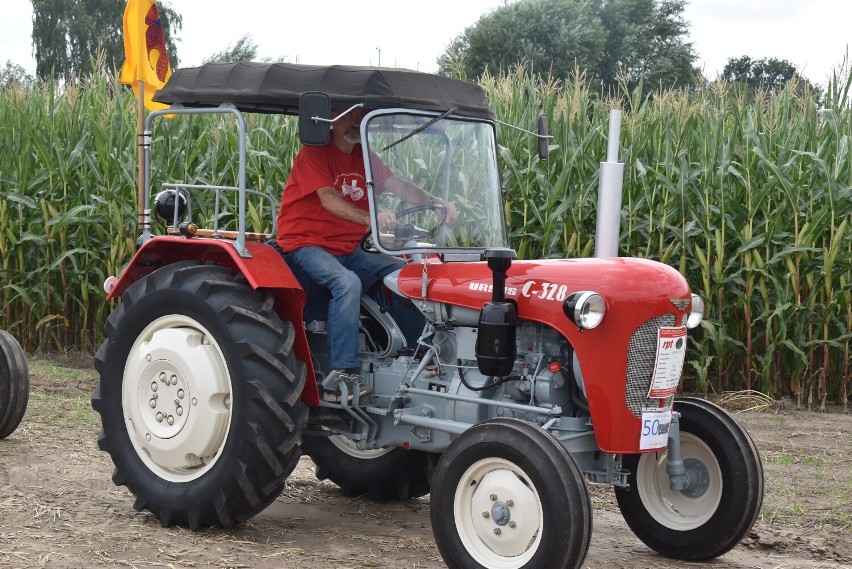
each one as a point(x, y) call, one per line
point(540, 287)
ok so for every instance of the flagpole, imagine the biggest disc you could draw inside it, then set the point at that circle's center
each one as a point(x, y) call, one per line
point(143, 35)
point(142, 222)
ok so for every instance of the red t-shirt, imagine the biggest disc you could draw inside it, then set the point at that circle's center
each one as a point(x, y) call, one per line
point(302, 220)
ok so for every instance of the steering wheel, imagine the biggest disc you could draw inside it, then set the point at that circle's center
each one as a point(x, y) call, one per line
point(402, 232)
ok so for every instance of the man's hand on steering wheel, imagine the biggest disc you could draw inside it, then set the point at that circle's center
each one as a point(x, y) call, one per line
point(387, 219)
point(452, 213)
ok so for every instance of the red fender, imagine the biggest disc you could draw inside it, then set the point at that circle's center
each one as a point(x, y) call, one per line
point(264, 270)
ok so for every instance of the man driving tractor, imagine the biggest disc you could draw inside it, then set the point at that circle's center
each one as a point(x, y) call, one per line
point(323, 215)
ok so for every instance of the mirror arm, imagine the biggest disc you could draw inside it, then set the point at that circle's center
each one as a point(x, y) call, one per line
point(341, 115)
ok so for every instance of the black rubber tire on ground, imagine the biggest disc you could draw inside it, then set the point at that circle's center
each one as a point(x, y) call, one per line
point(507, 494)
point(381, 474)
point(14, 384)
point(199, 396)
point(708, 521)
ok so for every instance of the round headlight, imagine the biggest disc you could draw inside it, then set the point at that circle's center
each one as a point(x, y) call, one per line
point(585, 309)
point(164, 206)
point(696, 313)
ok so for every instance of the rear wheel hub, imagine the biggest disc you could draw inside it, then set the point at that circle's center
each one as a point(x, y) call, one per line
point(177, 398)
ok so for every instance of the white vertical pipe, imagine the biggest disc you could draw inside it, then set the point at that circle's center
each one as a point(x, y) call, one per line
point(610, 185)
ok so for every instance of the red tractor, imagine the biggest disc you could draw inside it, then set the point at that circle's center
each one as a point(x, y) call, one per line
point(528, 377)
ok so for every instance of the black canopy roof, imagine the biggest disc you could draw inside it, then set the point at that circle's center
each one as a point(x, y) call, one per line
point(276, 88)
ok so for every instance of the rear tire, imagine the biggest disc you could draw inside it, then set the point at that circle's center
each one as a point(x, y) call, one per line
point(14, 384)
point(713, 517)
point(506, 494)
point(381, 474)
point(199, 396)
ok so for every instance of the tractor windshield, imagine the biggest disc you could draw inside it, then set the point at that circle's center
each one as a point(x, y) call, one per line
point(454, 159)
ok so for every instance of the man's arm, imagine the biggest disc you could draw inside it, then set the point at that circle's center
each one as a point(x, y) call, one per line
point(343, 209)
point(407, 191)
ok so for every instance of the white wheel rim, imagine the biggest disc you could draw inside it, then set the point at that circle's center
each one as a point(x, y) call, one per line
point(176, 397)
point(511, 533)
point(673, 509)
point(350, 447)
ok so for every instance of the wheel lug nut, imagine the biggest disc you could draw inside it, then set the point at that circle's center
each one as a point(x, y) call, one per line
point(170, 420)
point(160, 417)
point(493, 497)
point(510, 503)
point(180, 394)
point(154, 386)
point(485, 514)
point(153, 403)
point(179, 410)
point(513, 525)
point(497, 531)
point(174, 380)
point(163, 376)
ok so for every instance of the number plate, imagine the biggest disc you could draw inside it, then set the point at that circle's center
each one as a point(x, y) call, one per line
point(668, 367)
point(655, 429)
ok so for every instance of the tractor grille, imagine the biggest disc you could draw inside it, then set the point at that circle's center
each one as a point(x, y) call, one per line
point(641, 355)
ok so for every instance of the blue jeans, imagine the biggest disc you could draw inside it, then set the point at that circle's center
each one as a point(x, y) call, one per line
point(335, 274)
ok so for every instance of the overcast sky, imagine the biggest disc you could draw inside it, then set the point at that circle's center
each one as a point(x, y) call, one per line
point(813, 35)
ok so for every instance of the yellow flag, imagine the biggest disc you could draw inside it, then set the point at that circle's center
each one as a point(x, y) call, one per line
point(145, 54)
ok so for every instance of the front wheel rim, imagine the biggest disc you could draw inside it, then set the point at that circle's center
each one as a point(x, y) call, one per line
point(681, 510)
point(176, 398)
point(498, 514)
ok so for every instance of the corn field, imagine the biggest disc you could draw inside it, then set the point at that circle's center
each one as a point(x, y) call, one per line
point(749, 195)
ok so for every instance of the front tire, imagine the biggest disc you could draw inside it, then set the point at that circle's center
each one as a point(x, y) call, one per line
point(380, 474)
point(199, 396)
point(14, 384)
point(717, 511)
point(507, 495)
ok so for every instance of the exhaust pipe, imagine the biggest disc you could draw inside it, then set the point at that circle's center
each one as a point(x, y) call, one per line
point(609, 193)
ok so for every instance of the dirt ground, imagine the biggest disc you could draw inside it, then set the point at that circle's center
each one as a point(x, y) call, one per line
point(59, 508)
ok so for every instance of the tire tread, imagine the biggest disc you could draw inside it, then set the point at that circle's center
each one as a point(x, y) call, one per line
point(272, 381)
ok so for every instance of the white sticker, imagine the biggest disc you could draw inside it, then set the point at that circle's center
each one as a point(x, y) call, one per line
point(671, 350)
point(655, 429)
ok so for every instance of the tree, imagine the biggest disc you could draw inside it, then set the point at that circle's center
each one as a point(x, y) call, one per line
point(67, 34)
point(244, 50)
point(645, 40)
point(13, 74)
point(548, 35)
point(611, 40)
point(768, 74)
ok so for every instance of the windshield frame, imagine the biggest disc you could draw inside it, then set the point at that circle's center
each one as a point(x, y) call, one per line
point(498, 190)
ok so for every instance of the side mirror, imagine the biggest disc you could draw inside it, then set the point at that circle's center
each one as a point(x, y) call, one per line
point(314, 118)
point(543, 138)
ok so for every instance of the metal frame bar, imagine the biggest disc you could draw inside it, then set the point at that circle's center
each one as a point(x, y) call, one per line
point(226, 108)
